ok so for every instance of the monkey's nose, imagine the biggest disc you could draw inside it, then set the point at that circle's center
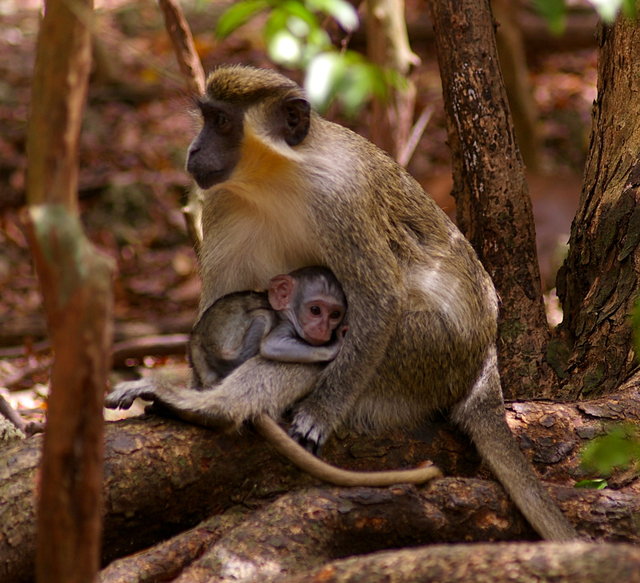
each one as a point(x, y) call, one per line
point(319, 336)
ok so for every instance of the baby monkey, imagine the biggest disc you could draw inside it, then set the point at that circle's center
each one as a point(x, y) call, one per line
point(298, 319)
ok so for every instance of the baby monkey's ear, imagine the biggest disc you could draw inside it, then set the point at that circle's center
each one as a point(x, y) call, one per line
point(280, 291)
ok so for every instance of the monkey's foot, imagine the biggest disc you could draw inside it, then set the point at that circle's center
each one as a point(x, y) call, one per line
point(126, 392)
point(307, 432)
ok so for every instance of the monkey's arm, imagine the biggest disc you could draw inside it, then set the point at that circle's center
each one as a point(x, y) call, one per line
point(204, 374)
point(222, 341)
point(259, 327)
point(374, 312)
point(284, 345)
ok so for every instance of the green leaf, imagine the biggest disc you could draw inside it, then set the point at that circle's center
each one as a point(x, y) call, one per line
point(298, 27)
point(362, 80)
point(285, 48)
point(319, 40)
point(237, 15)
point(629, 8)
point(343, 12)
point(297, 9)
point(595, 484)
point(554, 12)
point(298, 20)
point(276, 22)
point(295, 37)
point(618, 449)
point(323, 72)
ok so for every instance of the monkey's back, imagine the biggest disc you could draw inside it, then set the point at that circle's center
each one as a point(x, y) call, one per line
point(219, 340)
point(225, 322)
point(446, 319)
point(422, 310)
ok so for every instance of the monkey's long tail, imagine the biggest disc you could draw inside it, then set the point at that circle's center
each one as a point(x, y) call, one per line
point(306, 461)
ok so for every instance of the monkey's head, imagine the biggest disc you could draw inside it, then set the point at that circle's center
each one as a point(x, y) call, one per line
point(239, 101)
point(312, 300)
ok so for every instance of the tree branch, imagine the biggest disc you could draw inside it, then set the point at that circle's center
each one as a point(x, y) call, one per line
point(491, 191)
point(162, 476)
point(498, 563)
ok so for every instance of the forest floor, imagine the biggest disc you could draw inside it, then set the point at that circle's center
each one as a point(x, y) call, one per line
point(137, 126)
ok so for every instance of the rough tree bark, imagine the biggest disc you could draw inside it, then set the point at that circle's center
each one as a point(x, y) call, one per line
point(599, 281)
point(76, 288)
point(163, 476)
point(513, 61)
point(305, 530)
point(308, 529)
point(495, 563)
point(490, 188)
point(166, 561)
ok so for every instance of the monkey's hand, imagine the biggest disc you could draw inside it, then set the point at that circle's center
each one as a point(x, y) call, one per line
point(307, 432)
point(319, 413)
point(341, 333)
point(126, 392)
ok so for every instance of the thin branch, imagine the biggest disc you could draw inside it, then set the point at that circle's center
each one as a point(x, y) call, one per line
point(171, 344)
point(183, 45)
point(406, 153)
point(9, 413)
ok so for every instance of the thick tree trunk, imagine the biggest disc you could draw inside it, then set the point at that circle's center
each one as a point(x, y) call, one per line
point(598, 283)
point(489, 185)
point(76, 288)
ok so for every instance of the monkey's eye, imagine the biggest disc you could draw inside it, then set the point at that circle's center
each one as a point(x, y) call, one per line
point(315, 310)
point(335, 315)
point(222, 121)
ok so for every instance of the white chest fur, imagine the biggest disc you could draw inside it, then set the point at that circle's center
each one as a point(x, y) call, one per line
point(247, 243)
point(257, 223)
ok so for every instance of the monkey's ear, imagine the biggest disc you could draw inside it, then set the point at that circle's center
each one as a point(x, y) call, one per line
point(280, 291)
point(296, 114)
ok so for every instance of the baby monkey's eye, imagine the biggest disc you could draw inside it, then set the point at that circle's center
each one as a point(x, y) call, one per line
point(315, 310)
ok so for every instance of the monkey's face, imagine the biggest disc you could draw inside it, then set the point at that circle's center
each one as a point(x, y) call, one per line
point(318, 318)
point(215, 152)
point(239, 101)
